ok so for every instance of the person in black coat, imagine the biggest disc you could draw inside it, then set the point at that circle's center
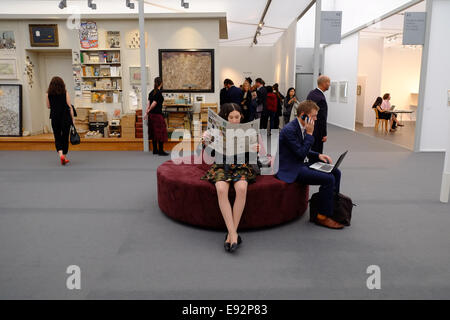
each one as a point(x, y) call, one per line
point(261, 101)
point(320, 127)
point(224, 91)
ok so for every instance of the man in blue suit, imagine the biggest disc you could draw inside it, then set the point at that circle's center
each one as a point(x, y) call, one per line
point(320, 127)
point(234, 94)
point(295, 156)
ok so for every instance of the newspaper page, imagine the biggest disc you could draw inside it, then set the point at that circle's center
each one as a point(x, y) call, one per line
point(232, 139)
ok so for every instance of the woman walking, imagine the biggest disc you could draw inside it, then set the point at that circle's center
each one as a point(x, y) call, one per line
point(157, 131)
point(61, 114)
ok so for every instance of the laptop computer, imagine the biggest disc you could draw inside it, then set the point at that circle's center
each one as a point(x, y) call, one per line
point(327, 168)
point(392, 108)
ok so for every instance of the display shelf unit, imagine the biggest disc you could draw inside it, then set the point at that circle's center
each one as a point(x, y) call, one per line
point(95, 72)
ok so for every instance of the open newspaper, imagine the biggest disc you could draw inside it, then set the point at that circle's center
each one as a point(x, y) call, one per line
point(232, 139)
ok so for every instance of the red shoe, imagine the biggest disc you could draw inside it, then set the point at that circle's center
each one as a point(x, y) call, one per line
point(63, 160)
point(66, 161)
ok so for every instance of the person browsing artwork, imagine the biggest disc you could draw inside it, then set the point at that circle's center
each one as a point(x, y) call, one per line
point(295, 156)
point(157, 130)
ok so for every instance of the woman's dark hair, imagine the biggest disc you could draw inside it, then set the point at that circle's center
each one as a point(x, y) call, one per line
point(378, 102)
point(275, 87)
point(249, 80)
point(157, 83)
point(289, 90)
point(269, 89)
point(228, 108)
point(386, 95)
point(56, 87)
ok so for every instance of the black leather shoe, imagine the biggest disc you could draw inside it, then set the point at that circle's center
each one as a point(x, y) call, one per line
point(239, 240)
point(163, 153)
point(226, 244)
point(233, 247)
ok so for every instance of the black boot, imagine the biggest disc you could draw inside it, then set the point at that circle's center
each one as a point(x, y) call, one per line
point(161, 149)
point(155, 147)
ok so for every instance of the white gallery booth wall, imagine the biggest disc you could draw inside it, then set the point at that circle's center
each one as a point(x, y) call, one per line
point(341, 64)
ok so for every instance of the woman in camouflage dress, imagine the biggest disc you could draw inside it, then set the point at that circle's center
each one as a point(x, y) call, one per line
point(239, 175)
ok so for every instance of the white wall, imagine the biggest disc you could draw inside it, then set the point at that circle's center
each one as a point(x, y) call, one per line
point(370, 66)
point(237, 63)
point(434, 133)
point(401, 75)
point(306, 28)
point(284, 58)
point(341, 64)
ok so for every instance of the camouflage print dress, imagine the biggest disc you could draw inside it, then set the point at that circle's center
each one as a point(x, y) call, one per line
point(230, 173)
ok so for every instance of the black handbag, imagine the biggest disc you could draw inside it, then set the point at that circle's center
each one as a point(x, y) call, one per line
point(342, 212)
point(74, 136)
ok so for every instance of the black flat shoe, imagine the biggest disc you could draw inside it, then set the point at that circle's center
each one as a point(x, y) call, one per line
point(163, 153)
point(233, 247)
point(226, 244)
point(239, 240)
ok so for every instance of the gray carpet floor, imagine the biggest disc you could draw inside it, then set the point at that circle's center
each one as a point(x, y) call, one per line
point(101, 213)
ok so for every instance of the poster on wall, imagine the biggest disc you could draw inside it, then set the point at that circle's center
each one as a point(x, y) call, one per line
point(343, 91)
point(7, 41)
point(134, 40)
point(10, 110)
point(43, 35)
point(8, 69)
point(88, 35)
point(135, 75)
point(187, 70)
point(333, 91)
point(113, 39)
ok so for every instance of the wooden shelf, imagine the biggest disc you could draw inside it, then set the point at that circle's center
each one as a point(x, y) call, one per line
point(99, 63)
point(96, 77)
point(93, 50)
point(93, 90)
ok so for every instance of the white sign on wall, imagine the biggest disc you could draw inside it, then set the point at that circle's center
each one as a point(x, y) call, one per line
point(414, 28)
point(330, 27)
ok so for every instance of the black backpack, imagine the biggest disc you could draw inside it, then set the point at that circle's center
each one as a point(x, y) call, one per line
point(342, 213)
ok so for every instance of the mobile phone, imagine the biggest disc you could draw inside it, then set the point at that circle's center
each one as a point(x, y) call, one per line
point(305, 118)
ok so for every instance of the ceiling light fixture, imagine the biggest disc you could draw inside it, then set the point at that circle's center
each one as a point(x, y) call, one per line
point(185, 4)
point(129, 4)
point(62, 4)
point(92, 5)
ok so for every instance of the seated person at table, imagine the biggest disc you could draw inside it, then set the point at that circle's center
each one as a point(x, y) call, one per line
point(386, 106)
point(295, 156)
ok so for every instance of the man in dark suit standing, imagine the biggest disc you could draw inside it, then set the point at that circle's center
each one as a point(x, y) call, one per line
point(320, 129)
point(224, 92)
point(295, 156)
point(234, 94)
point(261, 101)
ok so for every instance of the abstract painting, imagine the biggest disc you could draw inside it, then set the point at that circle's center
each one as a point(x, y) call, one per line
point(11, 110)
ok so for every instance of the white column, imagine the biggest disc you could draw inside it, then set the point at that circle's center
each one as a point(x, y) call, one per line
point(143, 71)
point(445, 187)
point(316, 65)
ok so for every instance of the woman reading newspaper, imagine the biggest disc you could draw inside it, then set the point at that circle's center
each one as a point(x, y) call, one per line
point(238, 170)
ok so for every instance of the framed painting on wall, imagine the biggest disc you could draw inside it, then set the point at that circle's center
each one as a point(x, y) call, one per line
point(333, 91)
point(8, 69)
point(7, 41)
point(189, 70)
point(343, 91)
point(10, 110)
point(43, 35)
point(135, 75)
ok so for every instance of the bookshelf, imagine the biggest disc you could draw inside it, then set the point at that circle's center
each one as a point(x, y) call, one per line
point(101, 74)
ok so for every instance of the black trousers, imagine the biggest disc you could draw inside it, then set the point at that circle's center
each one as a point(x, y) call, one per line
point(61, 131)
point(318, 144)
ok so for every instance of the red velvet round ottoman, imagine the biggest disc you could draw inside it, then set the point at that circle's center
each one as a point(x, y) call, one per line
point(183, 196)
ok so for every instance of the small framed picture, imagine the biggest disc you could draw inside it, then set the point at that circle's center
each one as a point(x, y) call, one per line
point(43, 35)
point(343, 91)
point(200, 98)
point(8, 69)
point(135, 75)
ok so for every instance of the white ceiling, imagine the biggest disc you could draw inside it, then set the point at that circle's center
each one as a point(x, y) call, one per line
point(242, 15)
point(392, 25)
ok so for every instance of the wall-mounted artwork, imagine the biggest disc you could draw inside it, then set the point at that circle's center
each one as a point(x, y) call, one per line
point(113, 39)
point(134, 40)
point(8, 69)
point(343, 91)
point(28, 73)
point(43, 35)
point(88, 35)
point(200, 98)
point(10, 110)
point(333, 91)
point(135, 75)
point(187, 70)
point(7, 41)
